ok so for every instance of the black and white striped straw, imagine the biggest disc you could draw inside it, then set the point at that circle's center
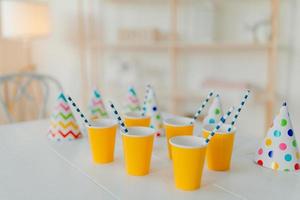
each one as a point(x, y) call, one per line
point(118, 117)
point(218, 126)
point(238, 111)
point(78, 110)
point(144, 108)
point(202, 106)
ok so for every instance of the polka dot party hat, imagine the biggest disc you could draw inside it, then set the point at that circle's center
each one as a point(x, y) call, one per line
point(279, 149)
point(63, 123)
point(96, 106)
point(153, 111)
point(132, 101)
point(215, 112)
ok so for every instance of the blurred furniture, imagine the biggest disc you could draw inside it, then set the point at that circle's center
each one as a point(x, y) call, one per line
point(175, 48)
point(24, 96)
point(24, 21)
point(35, 168)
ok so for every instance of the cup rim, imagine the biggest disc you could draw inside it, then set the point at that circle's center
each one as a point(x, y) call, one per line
point(178, 121)
point(135, 115)
point(107, 123)
point(148, 131)
point(221, 131)
point(183, 140)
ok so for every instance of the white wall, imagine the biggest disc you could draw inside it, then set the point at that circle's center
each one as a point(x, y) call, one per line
point(59, 55)
point(293, 82)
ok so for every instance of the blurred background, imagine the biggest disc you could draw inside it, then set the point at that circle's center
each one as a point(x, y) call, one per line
point(184, 48)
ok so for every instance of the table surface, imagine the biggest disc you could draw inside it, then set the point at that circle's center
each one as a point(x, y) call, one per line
point(33, 167)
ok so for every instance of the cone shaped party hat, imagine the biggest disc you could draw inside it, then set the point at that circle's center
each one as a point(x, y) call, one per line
point(132, 101)
point(97, 108)
point(215, 112)
point(279, 149)
point(63, 123)
point(153, 111)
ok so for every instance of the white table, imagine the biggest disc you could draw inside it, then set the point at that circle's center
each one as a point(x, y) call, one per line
point(32, 167)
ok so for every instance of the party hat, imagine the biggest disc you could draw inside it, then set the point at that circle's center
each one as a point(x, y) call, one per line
point(63, 123)
point(215, 112)
point(132, 102)
point(153, 111)
point(96, 106)
point(279, 148)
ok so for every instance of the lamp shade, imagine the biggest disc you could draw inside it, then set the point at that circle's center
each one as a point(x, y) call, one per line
point(23, 19)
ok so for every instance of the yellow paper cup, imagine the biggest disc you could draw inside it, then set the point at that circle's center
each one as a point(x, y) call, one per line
point(136, 119)
point(219, 149)
point(137, 145)
point(177, 126)
point(188, 160)
point(102, 134)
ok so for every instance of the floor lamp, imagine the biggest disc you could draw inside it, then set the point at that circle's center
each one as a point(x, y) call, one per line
point(24, 21)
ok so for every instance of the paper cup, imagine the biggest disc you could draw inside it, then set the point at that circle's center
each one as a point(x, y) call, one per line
point(219, 149)
point(177, 126)
point(188, 160)
point(136, 119)
point(137, 145)
point(102, 134)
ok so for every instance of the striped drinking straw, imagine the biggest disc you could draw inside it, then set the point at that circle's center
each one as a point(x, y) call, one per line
point(118, 117)
point(238, 111)
point(144, 108)
point(202, 107)
point(218, 126)
point(78, 110)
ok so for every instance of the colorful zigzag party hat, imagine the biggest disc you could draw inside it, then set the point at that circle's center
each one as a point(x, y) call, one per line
point(132, 102)
point(152, 110)
point(63, 123)
point(279, 150)
point(96, 106)
point(215, 112)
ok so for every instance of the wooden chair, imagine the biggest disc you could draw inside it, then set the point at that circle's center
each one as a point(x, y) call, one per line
point(24, 96)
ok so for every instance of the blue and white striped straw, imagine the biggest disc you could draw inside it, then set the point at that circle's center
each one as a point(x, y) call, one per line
point(218, 126)
point(118, 117)
point(238, 111)
point(144, 108)
point(78, 110)
point(202, 106)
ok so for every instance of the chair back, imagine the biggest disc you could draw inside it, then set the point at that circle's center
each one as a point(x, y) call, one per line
point(25, 96)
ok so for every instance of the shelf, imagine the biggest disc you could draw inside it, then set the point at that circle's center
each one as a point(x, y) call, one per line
point(222, 46)
point(133, 47)
point(182, 47)
point(165, 1)
point(176, 47)
point(136, 1)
